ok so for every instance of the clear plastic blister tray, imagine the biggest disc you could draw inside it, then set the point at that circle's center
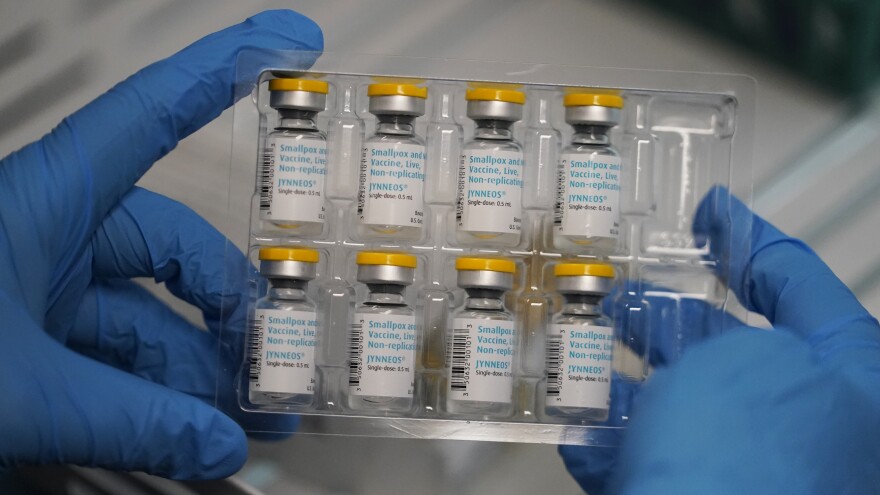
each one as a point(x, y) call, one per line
point(679, 135)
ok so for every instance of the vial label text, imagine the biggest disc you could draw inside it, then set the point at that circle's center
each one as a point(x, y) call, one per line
point(391, 184)
point(579, 366)
point(490, 186)
point(382, 355)
point(588, 195)
point(292, 188)
point(282, 351)
point(480, 356)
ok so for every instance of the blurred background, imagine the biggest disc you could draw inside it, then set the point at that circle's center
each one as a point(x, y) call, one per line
point(817, 144)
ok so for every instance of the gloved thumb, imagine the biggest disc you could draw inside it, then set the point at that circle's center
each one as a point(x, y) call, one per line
point(66, 408)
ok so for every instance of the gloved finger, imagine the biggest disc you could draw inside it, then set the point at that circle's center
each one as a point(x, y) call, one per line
point(661, 322)
point(149, 235)
point(86, 164)
point(650, 320)
point(592, 466)
point(730, 417)
point(123, 325)
point(74, 410)
point(657, 321)
point(779, 276)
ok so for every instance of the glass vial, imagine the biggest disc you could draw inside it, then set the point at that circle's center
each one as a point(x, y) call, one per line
point(392, 175)
point(579, 345)
point(291, 183)
point(284, 330)
point(481, 342)
point(588, 188)
point(382, 342)
point(490, 178)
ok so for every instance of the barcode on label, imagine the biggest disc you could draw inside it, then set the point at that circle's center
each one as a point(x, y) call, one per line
point(355, 349)
point(362, 183)
point(255, 349)
point(554, 366)
point(560, 196)
point(460, 352)
point(267, 177)
point(459, 208)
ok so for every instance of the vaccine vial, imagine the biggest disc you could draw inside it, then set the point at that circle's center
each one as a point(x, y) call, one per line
point(295, 159)
point(481, 343)
point(392, 175)
point(490, 177)
point(579, 345)
point(382, 342)
point(284, 330)
point(588, 189)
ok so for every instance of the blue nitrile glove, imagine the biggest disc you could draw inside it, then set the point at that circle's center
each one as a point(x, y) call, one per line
point(673, 324)
point(138, 394)
point(792, 410)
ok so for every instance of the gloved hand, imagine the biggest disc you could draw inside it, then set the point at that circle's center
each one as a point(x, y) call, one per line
point(791, 410)
point(138, 394)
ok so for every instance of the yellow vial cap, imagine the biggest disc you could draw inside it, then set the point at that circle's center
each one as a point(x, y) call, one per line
point(488, 264)
point(582, 269)
point(308, 85)
point(496, 94)
point(397, 89)
point(289, 254)
point(593, 99)
point(386, 258)
point(397, 80)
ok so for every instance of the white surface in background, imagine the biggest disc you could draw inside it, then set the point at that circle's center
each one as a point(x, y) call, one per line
point(86, 46)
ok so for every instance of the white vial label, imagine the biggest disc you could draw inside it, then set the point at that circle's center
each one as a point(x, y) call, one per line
point(282, 351)
point(481, 360)
point(392, 180)
point(589, 190)
point(490, 191)
point(292, 188)
point(579, 366)
point(382, 357)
